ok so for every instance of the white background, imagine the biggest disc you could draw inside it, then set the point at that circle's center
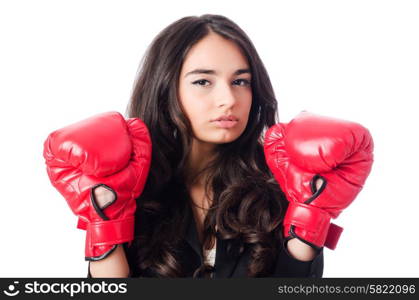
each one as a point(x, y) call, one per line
point(62, 61)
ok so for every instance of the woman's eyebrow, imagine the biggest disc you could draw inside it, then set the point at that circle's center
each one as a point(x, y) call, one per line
point(213, 72)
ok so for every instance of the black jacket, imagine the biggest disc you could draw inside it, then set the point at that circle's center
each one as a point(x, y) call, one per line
point(228, 264)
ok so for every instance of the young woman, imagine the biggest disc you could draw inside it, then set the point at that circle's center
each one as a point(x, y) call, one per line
point(192, 185)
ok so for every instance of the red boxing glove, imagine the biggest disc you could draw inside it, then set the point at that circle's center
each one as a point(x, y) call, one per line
point(312, 147)
point(105, 150)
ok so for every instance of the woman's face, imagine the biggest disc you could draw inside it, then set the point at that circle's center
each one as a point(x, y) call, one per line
point(214, 83)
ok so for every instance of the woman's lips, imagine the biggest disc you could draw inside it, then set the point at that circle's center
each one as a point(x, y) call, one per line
point(225, 123)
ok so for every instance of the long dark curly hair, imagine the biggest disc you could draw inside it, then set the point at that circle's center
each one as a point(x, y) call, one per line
point(247, 203)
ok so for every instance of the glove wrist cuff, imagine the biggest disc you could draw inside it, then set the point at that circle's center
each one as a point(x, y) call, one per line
point(310, 224)
point(103, 236)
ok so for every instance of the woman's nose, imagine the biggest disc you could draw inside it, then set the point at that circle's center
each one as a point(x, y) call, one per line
point(225, 96)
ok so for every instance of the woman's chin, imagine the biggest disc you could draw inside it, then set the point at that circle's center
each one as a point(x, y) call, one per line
point(223, 140)
point(218, 138)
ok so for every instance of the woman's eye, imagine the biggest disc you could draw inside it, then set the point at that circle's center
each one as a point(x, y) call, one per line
point(240, 82)
point(243, 82)
point(200, 82)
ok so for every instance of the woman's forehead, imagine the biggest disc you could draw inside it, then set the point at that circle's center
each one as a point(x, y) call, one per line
point(216, 54)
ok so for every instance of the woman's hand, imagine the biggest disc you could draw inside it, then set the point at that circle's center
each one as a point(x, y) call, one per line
point(307, 149)
point(300, 250)
point(104, 152)
point(115, 265)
